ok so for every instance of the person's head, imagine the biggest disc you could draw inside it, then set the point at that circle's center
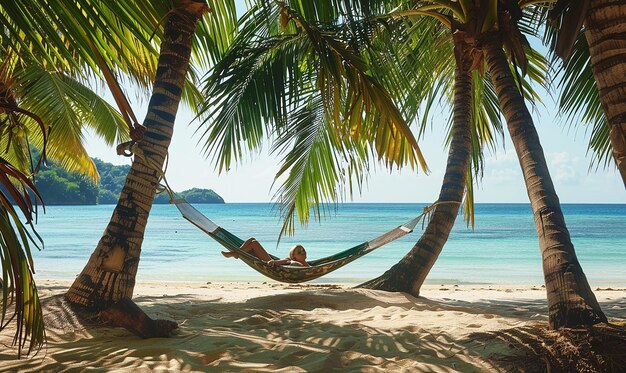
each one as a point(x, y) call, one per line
point(297, 253)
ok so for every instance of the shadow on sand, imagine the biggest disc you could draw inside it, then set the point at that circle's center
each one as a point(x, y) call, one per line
point(319, 330)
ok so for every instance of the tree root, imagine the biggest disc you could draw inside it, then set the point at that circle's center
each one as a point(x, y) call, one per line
point(393, 280)
point(600, 348)
point(127, 314)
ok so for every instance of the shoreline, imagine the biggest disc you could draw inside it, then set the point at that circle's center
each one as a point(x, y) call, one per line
point(268, 326)
point(617, 284)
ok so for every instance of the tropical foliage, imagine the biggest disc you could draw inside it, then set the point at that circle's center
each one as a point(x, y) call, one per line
point(18, 286)
point(193, 195)
point(298, 74)
point(57, 186)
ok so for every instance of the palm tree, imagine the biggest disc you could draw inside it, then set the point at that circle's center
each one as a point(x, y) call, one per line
point(571, 301)
point(44, 79)
point(109, 275)
point(409, 274)
point(491, 26)
point(603, 22)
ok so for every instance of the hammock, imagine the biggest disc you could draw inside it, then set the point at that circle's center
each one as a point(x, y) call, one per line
point(290, 274)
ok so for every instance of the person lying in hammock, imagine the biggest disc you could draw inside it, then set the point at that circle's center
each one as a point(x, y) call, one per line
point(297, 254)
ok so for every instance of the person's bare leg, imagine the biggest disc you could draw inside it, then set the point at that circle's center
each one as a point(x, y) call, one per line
point(252, 246)
point(257, 250)
point(246, 246)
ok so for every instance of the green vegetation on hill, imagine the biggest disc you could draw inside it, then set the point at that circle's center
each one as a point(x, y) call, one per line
point(59, 187)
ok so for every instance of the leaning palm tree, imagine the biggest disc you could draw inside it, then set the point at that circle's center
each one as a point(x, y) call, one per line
point(490, 26)
point(109, 275)
point(44, 80)
point(474, 122)
point(601, 23)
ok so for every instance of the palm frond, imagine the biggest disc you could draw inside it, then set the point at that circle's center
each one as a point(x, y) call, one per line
point(468, 200)
point(61, 104)
point(215, 33)
point(246, 92)
point(17, 262)
point(342, 71)
point(313, 166)
point(579, 101)
point(565, 24)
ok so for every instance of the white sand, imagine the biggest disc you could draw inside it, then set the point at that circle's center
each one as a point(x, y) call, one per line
point(269, 327)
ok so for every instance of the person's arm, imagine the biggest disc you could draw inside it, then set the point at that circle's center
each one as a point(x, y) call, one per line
point(279, 261)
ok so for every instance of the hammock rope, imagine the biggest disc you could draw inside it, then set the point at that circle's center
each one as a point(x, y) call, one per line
point(290, 274)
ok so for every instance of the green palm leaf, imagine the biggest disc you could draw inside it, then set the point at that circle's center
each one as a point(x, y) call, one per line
point(312, 165)
point(580, 102)
point(60, 33)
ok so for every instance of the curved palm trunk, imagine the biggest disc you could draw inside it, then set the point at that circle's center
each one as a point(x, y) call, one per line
point(109, 275)
point(409, 274)
point(605, 30)
point(570, 299)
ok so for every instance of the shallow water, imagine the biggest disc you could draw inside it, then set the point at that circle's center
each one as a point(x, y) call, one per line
point(502, 249)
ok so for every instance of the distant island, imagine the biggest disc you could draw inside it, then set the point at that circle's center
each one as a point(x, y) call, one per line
point(59, 187)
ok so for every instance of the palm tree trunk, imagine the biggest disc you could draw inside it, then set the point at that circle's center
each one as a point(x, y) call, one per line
point(605, 30)
point(409, 274)
point(570, 299)
point(109, 275)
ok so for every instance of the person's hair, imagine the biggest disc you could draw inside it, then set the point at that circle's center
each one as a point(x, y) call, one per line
point(292, 251)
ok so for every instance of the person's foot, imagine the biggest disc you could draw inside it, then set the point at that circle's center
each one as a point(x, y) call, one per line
point(230, 254)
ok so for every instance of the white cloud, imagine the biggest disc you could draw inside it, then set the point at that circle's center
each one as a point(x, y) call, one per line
point(502, 176)
point(502, 157)
point(565, 168)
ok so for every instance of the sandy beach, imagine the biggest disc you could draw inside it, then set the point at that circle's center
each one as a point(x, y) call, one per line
point(266, 327)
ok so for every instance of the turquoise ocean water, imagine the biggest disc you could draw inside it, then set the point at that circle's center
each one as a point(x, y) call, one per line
point(502, 249)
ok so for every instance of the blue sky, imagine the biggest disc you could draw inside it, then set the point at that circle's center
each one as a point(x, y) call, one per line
point(251, 181)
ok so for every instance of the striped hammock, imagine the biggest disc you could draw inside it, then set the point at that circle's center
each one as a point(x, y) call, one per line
point(289, 274)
